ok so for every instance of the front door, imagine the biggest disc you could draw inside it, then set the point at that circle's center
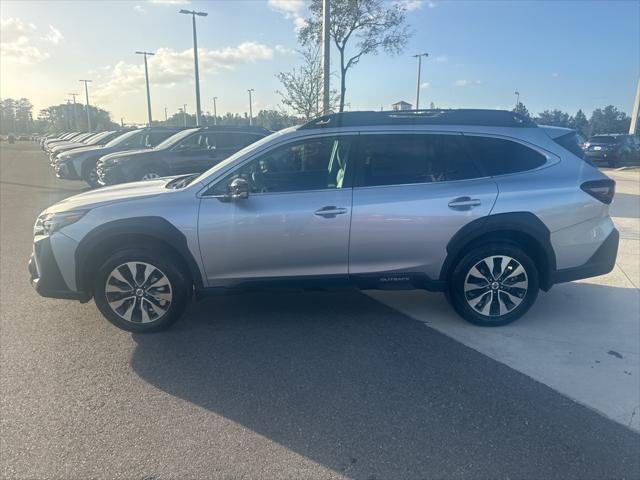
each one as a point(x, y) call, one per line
point(295, 222)
point(411, 194)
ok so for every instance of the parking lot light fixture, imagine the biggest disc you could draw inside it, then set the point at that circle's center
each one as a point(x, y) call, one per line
point(250, 106)
point(193, 14)
point(215, 111)
point(184, 114)
point(146, 76)
point(419, 57)
point(86, 92)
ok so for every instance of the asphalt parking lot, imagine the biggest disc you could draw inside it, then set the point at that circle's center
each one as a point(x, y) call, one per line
point(310, 384)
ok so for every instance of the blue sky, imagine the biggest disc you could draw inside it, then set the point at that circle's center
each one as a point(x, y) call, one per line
point(564, 54)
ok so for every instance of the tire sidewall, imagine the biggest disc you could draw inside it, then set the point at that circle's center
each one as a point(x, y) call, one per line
point(143, 170)
point(458, 277)
point(163, 260)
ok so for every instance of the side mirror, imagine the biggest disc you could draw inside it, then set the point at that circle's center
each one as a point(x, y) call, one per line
point(238, 189)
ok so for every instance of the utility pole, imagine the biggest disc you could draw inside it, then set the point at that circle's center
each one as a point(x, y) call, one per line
point(419, 57)
point(166, 118)
point(86, 92)
point(184, 114)
point(250, 107)
point(193, 14)
point(67, 116)
point(215, 111)
point(75, 112)
point(326, 45)
point(146, 76)
point(517, 100)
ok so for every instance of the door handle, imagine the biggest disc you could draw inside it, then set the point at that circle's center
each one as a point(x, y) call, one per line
point(464, 203)
point(330, 211)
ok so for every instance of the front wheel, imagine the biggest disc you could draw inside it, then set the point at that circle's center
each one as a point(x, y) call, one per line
point(148, 173)
point(493, 285)
point(142, 290)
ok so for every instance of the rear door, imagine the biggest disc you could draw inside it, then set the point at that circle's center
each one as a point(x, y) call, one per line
point(412, 193)
point(194, 154)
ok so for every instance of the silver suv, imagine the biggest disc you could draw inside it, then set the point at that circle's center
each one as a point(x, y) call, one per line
point(480, 204)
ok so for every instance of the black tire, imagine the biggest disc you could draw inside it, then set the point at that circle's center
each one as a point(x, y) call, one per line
point(152, 300)
point(89, 173)
point(498, 307)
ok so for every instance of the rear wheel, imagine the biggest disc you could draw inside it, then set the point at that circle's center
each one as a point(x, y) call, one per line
point(142, 290)
point(493, 285)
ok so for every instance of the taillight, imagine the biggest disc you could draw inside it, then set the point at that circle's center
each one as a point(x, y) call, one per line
point(602, 190)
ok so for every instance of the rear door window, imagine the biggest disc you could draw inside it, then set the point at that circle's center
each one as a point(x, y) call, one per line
point(402, 159)
point(500, 157)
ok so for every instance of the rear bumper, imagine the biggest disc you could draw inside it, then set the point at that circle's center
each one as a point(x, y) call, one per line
point(601, 262)
point(45, 275)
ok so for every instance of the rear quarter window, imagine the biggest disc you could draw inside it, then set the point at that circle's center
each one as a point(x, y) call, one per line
point(498, 156)
point(571, 141)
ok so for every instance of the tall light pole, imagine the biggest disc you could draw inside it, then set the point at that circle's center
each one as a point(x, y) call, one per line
point(86, 92)
point(419, 57)
point(517, 101)
point(215, 111)
point(75, 113)
point(67, 116)
point(193, 14)
point(184, 114)
point(250, 107)
point(146, 76)
point(326, 39)
point(166, 117)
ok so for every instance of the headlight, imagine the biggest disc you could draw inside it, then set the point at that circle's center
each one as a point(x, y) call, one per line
point(48, 223)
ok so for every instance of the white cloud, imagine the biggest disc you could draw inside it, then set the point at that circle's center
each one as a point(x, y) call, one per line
point(169, 67)
point(53, 36)
point(441, 59)
point(169, 2)
point(466, 83)
point(413, 5)
point(140, 9)
point(16, 42)
point(291, 9)
point(424, 85)
point(284, 50)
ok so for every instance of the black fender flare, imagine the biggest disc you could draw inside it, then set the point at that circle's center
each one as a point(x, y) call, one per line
point(104, 236)
point(520, 222)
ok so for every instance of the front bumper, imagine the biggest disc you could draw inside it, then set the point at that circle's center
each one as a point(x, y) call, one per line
point(45, 275)
point(65, 171)
point(109, 175)
point(601, 262)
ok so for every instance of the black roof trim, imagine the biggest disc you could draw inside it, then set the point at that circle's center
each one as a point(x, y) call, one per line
point(474, 117)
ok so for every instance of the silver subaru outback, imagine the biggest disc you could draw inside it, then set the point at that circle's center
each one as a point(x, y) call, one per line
point(482, 205)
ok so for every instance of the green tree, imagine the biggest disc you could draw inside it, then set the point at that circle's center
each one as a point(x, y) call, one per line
point(609, 120)
point(8, 116)
point(521, 109)
point(274, 120)
point(555, 118)
point(581, 124)
point(373, 25)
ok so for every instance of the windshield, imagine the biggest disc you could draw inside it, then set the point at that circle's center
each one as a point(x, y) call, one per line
point(96, 138)
point(173, 139)
point(602, 139)
point(122, 138)
point(244, 151)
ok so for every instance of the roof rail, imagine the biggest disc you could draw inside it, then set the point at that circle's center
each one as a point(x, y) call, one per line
point(475, 117)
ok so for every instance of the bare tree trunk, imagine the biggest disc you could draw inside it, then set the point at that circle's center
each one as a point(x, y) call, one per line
point(343, 80)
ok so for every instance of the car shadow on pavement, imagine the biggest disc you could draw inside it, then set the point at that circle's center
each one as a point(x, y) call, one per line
point(368, 392)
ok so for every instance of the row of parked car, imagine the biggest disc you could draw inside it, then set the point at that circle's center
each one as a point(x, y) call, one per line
point(112, 157)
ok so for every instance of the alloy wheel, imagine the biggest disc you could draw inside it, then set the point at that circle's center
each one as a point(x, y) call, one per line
point(138, 292)
point(496, 285)
point(150, 176)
